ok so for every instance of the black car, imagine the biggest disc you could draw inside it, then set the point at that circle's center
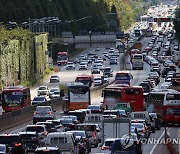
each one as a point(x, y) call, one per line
point(165, 71)
point(30, 139)
point(80, 115)
point(108, 71)
point(157, 120)
point(146, 86)
point(96, 108)
point(13, 143)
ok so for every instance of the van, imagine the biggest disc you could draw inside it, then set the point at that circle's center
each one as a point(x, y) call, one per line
point(141, 115)
point(63, 140)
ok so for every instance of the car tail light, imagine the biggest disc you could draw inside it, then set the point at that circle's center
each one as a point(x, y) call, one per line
point(60, 126)
point(35, 112)
point(104, 148)
point(18, 144)
point(94, 134)
point(143, 130)
point(49, 112)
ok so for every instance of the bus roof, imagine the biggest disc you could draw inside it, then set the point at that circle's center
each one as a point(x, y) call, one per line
point(163, 91)
point(13, 88)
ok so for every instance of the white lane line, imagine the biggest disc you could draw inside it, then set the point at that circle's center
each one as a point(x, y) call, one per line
point(154, 147)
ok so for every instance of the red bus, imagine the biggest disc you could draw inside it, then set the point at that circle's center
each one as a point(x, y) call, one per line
point(85, 79)
point(15, 98)
point(165, 102)
point(123, 94)
point(62, 58)
point(78, 96)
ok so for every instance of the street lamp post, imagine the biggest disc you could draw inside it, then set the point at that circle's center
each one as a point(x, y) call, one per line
point(90, 34)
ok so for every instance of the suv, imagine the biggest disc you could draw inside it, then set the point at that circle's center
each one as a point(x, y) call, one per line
point(43, 113)
point(40, 130)
point(108, 71)
point(30, 139)
point(13, 143)
point(54, 78)
point(91, 132)
point(43, 90)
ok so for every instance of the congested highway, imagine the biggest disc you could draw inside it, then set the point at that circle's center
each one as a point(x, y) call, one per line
point(152, 56)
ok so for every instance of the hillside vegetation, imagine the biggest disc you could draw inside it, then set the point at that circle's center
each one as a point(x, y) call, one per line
point(127, 11)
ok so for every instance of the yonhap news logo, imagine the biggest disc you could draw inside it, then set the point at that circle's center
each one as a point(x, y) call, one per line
point(126, 141)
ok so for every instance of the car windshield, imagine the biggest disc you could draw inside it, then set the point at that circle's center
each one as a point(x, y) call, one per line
point(80, 133)
point(36, 129)
point(54, 76)
point(107, 70)
point(52, 90)
point(9, 139)
point(38, 99)
point(42, 88)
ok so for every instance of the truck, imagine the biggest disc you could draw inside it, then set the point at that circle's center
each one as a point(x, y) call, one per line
point(115, 128)
point(62, 58)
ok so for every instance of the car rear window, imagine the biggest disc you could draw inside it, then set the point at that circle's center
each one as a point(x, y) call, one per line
point(109, 143)
point(37, 129)
point(86, 127)
point(9, 139)
point(47, 152)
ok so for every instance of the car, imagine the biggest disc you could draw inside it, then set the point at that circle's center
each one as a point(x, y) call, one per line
point(57, 125)
point(108, 71)
point(98, 80)
point(49, 126)
point(82, 138)
point(45, 150)
point(30, 139)
point(70, 65)
point(141, 129)
point(54, 79)
point(82, 66)
point(38, 129)
point(100, 66)
point(74, 118)
point(68, 123)
point(113, 61)
point(3, 149)
point(90, 129)
point(13, 143)
point(52, 91)
point(43, 113)
point(95, 108)
point(56, 94)
point(106, 147)
point(43, 90)
point(106, 79)
point(157, 120)
point(38, 100)
point(118, 147)
point(95, 70)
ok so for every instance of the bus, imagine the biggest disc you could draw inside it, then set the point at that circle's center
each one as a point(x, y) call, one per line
point(165, 102)
point(62, 58)
point(78, 96)
point(86, 79)
point(123, 77)
point(15, 98)
point(114, 94)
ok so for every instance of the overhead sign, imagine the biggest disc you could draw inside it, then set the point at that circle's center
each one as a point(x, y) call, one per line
point(163, 19)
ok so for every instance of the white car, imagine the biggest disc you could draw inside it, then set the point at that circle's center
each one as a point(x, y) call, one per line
point(54, 78)
point(43, 90)
point(52, 91)
point(106, 147)
point(56, 94)
point(106, 78)
point(70, 65)
point(82, 66)
point(97, 80)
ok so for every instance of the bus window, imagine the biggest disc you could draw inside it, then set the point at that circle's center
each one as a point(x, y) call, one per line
point(132, 91)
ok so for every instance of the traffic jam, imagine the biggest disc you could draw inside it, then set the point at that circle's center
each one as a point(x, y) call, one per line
point(127, 110)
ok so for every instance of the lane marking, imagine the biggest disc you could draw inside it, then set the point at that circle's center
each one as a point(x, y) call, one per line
point(154, 147)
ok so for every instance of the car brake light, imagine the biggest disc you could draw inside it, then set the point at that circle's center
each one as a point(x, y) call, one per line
point(94, 134)
point(49, 112)
point(45, 133)
point(18, 144)
point(35, 113)
point(104, 148)
point(143, 130)
point(60, 126)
